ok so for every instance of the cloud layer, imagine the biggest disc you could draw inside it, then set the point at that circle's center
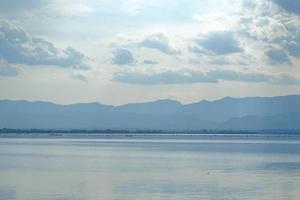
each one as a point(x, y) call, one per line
point(207, 45)
point(167, 77)
point(18, 47)
point(214, 76)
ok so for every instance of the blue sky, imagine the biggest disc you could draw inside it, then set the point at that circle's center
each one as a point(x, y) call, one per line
point(117, 51)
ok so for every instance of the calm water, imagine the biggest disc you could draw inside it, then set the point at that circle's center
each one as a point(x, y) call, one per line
point(137, 169)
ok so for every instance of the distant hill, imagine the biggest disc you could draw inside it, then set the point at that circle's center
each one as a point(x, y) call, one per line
point(226, 113)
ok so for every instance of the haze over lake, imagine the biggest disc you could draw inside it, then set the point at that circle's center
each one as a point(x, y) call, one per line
point(153, 168)
point(149, 99)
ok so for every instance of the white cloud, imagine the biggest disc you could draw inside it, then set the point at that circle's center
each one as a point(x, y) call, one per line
point(159, 42)
point(18, 47)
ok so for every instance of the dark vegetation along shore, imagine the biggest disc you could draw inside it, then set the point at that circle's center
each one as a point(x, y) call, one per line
point(58, 132)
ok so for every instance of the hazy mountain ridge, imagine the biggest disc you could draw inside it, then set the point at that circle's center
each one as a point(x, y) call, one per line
point(225, 113)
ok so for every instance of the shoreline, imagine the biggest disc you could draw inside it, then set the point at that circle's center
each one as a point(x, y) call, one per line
point(229, 136)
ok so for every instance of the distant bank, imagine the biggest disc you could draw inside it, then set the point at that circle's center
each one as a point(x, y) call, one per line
point(131, 133)
point(234, 114)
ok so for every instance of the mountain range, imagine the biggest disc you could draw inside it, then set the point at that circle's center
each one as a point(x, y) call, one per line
point(249, 113)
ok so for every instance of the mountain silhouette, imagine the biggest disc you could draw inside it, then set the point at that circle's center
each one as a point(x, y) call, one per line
point(281, 112)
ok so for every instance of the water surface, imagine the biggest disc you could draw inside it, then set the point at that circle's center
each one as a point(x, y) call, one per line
point(151, 168)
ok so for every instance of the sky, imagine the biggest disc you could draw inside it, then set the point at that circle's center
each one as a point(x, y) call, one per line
point(123, 51)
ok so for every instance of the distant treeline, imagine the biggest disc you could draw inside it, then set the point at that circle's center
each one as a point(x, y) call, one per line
point(123, 131)
point(96, 131)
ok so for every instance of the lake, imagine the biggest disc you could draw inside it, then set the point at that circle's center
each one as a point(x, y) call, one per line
point(147, 168)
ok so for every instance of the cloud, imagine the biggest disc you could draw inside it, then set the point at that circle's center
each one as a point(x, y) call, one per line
point(218, 43)
point(293, 45)
point(268, 29)
point(80, 77)
point(17, 5)
point(68, 8)
point(238, 76)
point(285, 79)
point(159, 42)
point(277, 56)
point(18, 47)
point(213, 76)
point(249, 4)
point(273, 24)
point(150, 62)
point(292, 6)
point(8, 70)
point(44, 8)
point(166, 77)
point(122, 57)
point(254, 77)
point(235, 59)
